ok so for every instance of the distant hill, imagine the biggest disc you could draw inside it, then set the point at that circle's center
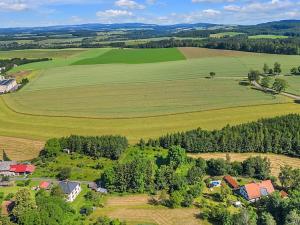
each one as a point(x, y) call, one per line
point(283, 27)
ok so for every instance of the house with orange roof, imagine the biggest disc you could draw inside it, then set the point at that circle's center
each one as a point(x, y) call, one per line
point(254, 191)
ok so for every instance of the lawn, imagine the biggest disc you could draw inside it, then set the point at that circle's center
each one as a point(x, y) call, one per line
point(268, 37)
point(134, 56)
point(277, 161)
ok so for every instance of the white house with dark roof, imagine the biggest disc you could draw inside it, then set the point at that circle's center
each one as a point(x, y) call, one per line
point(5, 168)
point(70, 189)
point(8, 85)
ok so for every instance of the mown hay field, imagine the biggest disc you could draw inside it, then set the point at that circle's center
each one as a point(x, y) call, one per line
point(19, 148)
point(15, 124)
point(136, 210)
point(277, 161)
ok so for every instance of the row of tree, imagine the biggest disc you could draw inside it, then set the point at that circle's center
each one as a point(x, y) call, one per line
point(278, 135)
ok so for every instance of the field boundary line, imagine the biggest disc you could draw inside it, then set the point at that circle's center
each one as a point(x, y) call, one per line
point(136, 117)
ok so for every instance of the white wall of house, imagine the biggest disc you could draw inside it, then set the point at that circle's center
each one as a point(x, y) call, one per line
point(7, 88)
point(73, 195)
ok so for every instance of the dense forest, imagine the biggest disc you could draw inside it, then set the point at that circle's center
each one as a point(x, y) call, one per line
point(101, 146)
point(277, 135)
point(289, 46)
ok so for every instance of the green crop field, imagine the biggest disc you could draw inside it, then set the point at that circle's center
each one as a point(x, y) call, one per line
point(134, 56)
point(268, 37)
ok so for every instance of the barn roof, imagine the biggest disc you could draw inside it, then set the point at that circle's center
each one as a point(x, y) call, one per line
point(231, 181)
point(22, 168)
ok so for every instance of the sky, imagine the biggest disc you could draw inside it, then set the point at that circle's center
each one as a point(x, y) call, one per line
point(32, 13)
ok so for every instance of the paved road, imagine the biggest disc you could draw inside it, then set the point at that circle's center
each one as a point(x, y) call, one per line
point(53, 180)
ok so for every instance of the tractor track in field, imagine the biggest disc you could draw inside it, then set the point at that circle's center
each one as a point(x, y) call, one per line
point(136, 117)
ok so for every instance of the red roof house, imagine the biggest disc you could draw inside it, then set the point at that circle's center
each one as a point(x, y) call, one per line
point(44, 185)
point(255, 191)
point(231, 182)
point(22, 168)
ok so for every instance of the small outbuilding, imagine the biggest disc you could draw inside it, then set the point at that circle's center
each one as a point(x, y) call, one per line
point(45, 185)
point(231, 182)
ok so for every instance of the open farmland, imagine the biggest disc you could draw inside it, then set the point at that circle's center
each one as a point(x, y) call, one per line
point(140, 100)
point(277, 161)
point(143, 90)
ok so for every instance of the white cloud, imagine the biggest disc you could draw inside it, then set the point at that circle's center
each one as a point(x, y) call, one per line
point(129, 4)
point(233, 8)
point(211, 12)
point(13, 6)
point(113, 13)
